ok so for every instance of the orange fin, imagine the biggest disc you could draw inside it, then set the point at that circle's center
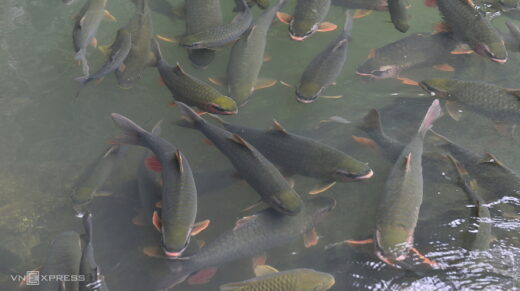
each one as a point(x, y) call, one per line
point(408, 161)
point(94, 42)
point(441, 27)
point(156, 220)
point(359, 242)
point(370, 143)
point(321, 188)
point(444, 68)
point(372, 53)
point(166, 39)
point(284, 17)
point(109, 16)
point(264, 83)
point(430, 3)
point(199, 227)
point(360, 13)
point(243, 220)
point(408, 81)
point(259, 260)
point(161, 82)
point(153, 164)
point(462, 51)
point(311, 238)
point(331, 97)
point(267, 58)
point(219, 81)
point(139, 220)
point(202, 276)
point(423, 258)
point(286, 84)
point(327, 26)
point(207, 141)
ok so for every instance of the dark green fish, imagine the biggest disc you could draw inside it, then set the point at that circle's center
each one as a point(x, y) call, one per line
point(118, 52)
point(85, 28)
point(220, 35)
point(308, 18)
point(90, 183)
point(496, 103)
point(469, 26)
point(202, 15)
point(412, 51)
point(247, 57)
point(263, 4)
point(194, 92)
point(362, 4)
point(325, 67)
point(399, 14)
point(88, 266)
point(140, 56)
point(251, 165)
point(402, 198)
point(179, 194)
point(252, 235)
point(63, 259)
point(296, 154)
point(269, 279)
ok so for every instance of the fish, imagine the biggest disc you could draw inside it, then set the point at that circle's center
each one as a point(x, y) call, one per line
point(118, 52)
point(63, 258)
point(140, 56)
point(268, 278)
point(93, 280)
point(247, 57)
point(496, 103)
point(86, 24)
point(252, 235)
point(399, 15)
point(324, 69)
point(251, 165)
point(221, 35)
point(415, 50)
point(296, 154)
point(179, 193)
point(91, 181)
point(362, 4)
point(402, 197)
point(512, 39)
point(202, 15)
point(308, 18)
point(263, 4)
point(194, 92)
point(471, 27)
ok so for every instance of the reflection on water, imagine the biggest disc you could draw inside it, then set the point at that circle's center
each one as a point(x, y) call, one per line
point(49, 137)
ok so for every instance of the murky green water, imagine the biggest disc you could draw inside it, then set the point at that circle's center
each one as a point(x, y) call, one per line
point(48, 137)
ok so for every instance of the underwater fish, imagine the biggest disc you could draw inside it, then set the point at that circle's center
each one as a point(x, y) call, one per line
point(179, 194)
point(194, 92)
point(251, 165)
point(324, 69)
point(252, 235)
point(362, 4)
point(296, 154)
point(88, 266)
point(308, 19)
point(268, 279)
point(414, 50)
point(399, 14)
point(220, 35)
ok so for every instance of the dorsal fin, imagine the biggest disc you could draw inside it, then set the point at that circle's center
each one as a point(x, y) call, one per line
point(179, 70)
point(491, 159)
point(278, 127)
point(179, 159)
point(263, 270)
point(239, 140)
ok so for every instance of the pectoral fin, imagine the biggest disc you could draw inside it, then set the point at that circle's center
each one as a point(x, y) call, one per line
point(264, 83)
point(453, 110)
point(109, 16)
point(514, 92)
point(199, 227)
point(311, 238)
point(322, 188)
point(360, 13)
point(332, 97)
point(327, 26)
point(243, 220)
point(259, 260)
point(219, 81)
point(166, 38)
point(263, 270)
point(284, 17)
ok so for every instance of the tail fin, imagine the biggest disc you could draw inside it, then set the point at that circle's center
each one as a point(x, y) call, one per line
point(434, 112)
point(178, 275)
point(87, 225)
point(189, 115)
point(131, 130)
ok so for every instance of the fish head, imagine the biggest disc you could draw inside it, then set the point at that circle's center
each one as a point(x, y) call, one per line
point(312, 280)
point(495, 51)
point(350, 169)
point(371, 69)
point(299, 30)
point(438, 87)
point(288, 202)
point(222, 105)
point(393, 244)
point(174, 251)
point(308, 92)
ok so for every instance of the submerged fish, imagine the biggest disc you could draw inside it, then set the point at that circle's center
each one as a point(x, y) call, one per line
point(223, 34)
point(308, 18)
point(118, 52)
point(496, 103)
point(469, 26)
point(85, 28)
point(296, 154)
point(362, 4)
point(269, 279)
point(202, 15)
point(63, 258)
point(90, 183)
point(194, 92)
point(251, 165)
point(179, 194)
point(252, 235)
point(414, 50)
point(402, 198)
point(325, 67)
point(247, 57)
point(140, 56)
point(93, 280)
point(398, 14)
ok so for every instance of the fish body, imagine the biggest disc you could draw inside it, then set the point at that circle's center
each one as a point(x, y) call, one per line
point(63, 258)
point(269, 279)
point(325, 67)
point(140, 56)
point(90, 183)
point(179, 194)
point(362, 4)
point(252, 166)
point(308, 15)
point(496, 103)
point(88, 266)
point(192, 91)
point(247, 56)
point(85, 28)
point(469, 26)
point(220, 35)
point(252, 235)
point(414, 50)
point(202, 15)
point(399, 14)
point(402, 198)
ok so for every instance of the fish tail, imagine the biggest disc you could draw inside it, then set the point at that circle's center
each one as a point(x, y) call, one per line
point(434, 112)
point(178, 275)
point(189, 115)
point(132, 131)
point(87, 225)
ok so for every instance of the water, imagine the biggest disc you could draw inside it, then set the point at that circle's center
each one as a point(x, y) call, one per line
point(48, 137)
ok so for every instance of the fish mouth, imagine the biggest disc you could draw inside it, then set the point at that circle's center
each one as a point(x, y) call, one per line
point(306, 100)
point(365, 177)
point(173, 254)
point(498, 60)
point(297, 38)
